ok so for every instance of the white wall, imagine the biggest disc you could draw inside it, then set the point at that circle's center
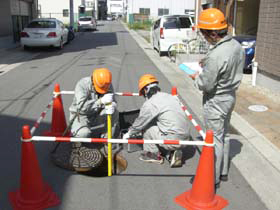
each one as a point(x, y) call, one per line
point(115, 9)
point(54, 8)
point(174, 6)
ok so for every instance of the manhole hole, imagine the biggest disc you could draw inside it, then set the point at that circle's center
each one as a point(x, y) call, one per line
point(1, 72)
point(258, 108)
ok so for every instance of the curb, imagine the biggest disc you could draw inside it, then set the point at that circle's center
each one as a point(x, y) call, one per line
point(259, 161)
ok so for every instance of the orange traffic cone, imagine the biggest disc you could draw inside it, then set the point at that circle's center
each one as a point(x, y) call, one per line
point(174, 91)
point(58, 117)
point(202, 195)
point(34, 194)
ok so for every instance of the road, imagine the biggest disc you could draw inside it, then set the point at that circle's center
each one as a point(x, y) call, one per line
point(27, 89)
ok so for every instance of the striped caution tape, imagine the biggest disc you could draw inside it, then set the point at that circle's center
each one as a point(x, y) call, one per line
point(189, 115)
point(120, 141)
point(42, 116)
point(116, 93)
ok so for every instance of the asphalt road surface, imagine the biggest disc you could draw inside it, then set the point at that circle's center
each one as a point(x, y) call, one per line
point(27, 89)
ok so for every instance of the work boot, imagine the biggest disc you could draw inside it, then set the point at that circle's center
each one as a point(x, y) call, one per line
point(176, 159)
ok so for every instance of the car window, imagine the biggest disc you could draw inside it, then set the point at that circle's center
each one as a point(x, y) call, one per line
point(42, 24)
point(156, 25)
point(85, 19)
point(170, 23)
point(185, 22)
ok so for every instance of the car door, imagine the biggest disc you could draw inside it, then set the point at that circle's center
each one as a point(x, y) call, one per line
point(63, 31)
point(156, 34)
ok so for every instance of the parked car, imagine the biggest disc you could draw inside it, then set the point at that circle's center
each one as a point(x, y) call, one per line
point(170, 29)
point(48, 32)
point(248, 43)
point(109, 17)
point(87, 23)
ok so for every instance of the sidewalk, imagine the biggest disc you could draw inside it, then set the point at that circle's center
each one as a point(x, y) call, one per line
point(7, 42)
point(259, 157)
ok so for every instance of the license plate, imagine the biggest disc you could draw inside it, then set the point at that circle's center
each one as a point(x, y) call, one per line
point(37, 36)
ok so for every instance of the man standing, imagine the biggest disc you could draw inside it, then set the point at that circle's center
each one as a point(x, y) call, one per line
point(220, 78)
point(160, 117)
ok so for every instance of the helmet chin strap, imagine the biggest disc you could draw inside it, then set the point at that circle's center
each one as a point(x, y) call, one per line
point(148, 88)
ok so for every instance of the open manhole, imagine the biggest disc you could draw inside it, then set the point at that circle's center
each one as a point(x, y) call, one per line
point(258, 108)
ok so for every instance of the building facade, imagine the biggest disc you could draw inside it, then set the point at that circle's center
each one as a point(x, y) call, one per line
point(268, 45)
point(58, 9)
point(14, 15)
point(157, 8)
point(115, 7)
point(260, 18)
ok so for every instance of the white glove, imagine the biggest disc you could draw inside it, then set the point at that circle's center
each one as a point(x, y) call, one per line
point(126, 136)
point(110, 108)
point(107, 98)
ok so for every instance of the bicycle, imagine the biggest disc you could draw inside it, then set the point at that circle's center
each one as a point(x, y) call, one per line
point(175, 49)
point(197, 45)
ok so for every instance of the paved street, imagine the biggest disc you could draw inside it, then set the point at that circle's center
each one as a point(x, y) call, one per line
point(27, 88)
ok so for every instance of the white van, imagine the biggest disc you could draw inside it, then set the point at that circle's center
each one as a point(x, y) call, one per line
point(171, 29)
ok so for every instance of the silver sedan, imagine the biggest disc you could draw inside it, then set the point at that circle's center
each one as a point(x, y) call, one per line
point(48, 32)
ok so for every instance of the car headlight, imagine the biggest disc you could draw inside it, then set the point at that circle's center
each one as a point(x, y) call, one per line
point(249, 44)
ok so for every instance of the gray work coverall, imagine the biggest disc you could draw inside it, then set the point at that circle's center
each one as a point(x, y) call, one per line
point(91, 121)
point(161, 117)
point(221, 76)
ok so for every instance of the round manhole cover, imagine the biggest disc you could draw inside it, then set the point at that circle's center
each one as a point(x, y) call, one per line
point(258, 108)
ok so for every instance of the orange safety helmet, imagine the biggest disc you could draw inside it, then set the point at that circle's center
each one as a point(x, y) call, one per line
point(101, 79)
point(145, 80)
point(212, 19)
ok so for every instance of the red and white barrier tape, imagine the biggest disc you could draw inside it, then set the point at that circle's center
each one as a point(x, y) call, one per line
point(117, 93)
point(122, 141)
point(42, 116)
point(195, 124)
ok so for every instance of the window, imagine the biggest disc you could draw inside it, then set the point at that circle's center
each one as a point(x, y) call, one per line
point(65, 13)
point(144, 11)
point(185, 22)
point(156, 25)
point(170, 23)
point(42, 24)
point(163, 12)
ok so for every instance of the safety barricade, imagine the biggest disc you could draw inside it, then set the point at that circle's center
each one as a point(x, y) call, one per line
point(35, 193)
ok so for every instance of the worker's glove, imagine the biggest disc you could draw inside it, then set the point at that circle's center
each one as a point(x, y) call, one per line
point(107, 98)
point(110, 108)
point(126, 136)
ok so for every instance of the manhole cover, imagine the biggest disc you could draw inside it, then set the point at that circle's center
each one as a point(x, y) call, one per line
point(258, 108)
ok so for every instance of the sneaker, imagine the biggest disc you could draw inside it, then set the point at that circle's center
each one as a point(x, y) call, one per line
point(176, 159)
point(151, 157)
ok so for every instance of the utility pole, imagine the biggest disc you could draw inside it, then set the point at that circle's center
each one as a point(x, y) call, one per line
point(197, 11)
point(71, 13)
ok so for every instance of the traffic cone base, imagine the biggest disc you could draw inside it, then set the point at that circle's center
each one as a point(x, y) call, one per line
point(185, 201)
point(49, 199)
point(202, 195)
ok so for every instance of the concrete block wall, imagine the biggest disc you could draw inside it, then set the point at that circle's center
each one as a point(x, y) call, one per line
point(5, 19)
point(268, 39)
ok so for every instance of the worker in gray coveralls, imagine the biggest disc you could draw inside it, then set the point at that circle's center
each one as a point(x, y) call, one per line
point(220, 78)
